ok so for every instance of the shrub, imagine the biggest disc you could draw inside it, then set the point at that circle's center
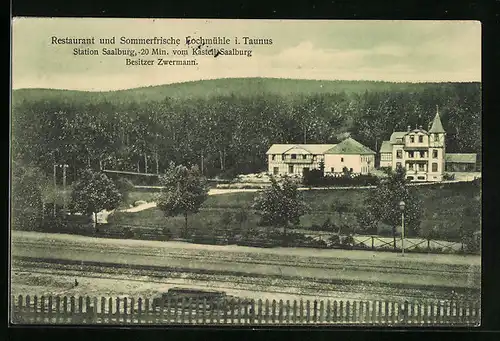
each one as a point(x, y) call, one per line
point(128, 233)
point(448, 176)
point(348, 241)
point(166, 233)
point(334, 240)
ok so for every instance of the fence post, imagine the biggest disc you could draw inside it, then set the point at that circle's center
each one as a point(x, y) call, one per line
point(246, 318)
point(280, 315)
point(301, 311)
point(28, 306)
point(328, 310)
point(294, 316)
point(355, 312)
point(267, 311)
point(321, 311)
point(125, 306)
point(225, 313)
point(132, 310)
point(393, 313)
point(335, 311)
point(42, 308)
point(103, 309)
point(273, 319)
point(189, 305)
point(348, 311)
point(35, 308)
point(287, 312)
point(49, 305)
point(147, 311)
point(252, 311)
point(260, 311)
point(373, 245)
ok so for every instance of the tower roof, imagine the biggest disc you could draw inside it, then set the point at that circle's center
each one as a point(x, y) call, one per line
point(437, 126)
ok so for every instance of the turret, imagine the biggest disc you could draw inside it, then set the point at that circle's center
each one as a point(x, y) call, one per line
point(436, 132)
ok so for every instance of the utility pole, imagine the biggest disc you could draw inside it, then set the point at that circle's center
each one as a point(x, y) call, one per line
point(55, 190)
point(64, 187)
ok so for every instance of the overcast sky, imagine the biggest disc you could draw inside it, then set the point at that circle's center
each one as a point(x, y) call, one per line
point(406, 51)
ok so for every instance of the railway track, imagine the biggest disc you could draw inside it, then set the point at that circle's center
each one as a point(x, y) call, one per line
point(319, 288)
point(204, 256)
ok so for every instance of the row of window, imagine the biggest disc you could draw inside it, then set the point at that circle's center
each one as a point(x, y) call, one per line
point(421, 138)
point(421, 166)
point(292, 156)
point(411, 154)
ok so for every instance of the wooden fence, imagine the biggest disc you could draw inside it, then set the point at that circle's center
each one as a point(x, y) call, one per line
point(81, 310)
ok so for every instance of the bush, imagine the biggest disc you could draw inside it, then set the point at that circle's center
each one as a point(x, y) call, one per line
point(334, 240)
point(128, 233)
point(448, 176)
point(315, 178)
point(348, 241)
point(166, 233)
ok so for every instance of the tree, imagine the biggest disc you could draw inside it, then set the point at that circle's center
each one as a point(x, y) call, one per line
point(280, 205)
point(383, 203)
point(185, 190)
point(471, 225)
point(241, 217)
point(341, 208)
point(26, 196)
point(94, 192)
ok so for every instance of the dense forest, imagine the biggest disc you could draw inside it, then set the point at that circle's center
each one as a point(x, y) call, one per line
point(226, 126)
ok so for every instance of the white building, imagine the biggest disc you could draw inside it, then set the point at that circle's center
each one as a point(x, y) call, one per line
point(295, 159)
point(420, 152)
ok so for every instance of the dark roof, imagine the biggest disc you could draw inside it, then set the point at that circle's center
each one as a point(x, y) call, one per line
point(437, 126)
point(350, 146)
point(460, 158)
point(386, 147)
point(311, 148)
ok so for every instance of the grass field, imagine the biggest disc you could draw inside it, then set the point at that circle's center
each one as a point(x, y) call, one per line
point(442, 206)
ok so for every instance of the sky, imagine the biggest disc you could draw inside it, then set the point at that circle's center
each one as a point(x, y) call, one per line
point(399, 51)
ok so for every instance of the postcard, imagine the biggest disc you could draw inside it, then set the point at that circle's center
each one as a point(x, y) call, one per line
point(245, 172)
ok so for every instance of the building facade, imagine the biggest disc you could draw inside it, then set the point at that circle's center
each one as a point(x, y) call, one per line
point(295, 159)
point(420, 152)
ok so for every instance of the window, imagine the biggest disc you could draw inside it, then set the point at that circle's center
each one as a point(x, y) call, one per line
point(398, 164)
point(275, 170)
point(411, 155)
point(421, 167)
point(350, 169)
point(420, 138)
point(410, 166)
point(314, 156)
point(409, 177)
point(304, 156)
point(290, 169)
point(399, 154)
point(283, 157)
point(434, 167)
point(421, 177)
point(294, 156)
point(341, 159)
point(422, 154)
point(333, 170)
point(412, 139)
point(436, 137)
point(435, 154)
point(273, 157)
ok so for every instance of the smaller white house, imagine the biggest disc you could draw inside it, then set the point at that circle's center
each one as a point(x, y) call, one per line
point(295, 159)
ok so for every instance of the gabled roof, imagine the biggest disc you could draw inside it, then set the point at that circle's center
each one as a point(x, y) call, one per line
point(386, 147)
point(311, 148)
point(397, 135)
point(437, 126)
point(460, 157)
point(350, 146)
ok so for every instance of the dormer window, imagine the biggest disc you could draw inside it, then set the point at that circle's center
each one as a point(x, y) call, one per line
point(273, 157)
point(412, 139)
point(436, 137)
point(421, 138)
point(293, 156)
point(304, 156)
point(283, 157)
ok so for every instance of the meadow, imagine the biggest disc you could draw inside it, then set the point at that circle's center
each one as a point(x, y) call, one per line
point(443, 207)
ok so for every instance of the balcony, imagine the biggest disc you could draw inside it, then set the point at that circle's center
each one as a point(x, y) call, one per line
point(299, 161)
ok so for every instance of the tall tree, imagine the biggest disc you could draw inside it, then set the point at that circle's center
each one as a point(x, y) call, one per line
point(94, 192)
point(184, 191)
point(280, 205)
point(383, 203)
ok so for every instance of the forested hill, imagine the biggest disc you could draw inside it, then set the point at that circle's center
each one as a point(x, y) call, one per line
point(224, 87)
point(228, 124)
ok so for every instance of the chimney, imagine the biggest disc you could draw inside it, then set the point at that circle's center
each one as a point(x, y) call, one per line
point(409, 128)
point(420, 127)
